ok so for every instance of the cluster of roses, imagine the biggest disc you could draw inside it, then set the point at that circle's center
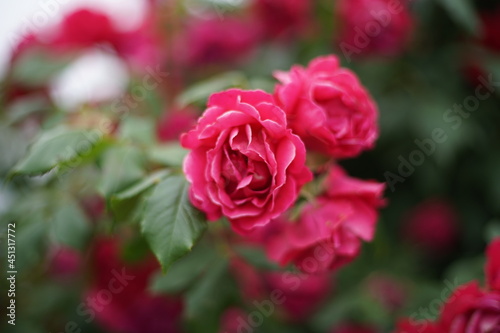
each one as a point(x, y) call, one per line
point(470, 308)
point(248, 162)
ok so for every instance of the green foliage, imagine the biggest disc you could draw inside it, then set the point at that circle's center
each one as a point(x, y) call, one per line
point(69, 225)
point(199, 92)
point(171, 224)
point(183, 273)
point(121, 167)
point(61, 147)
point(463, 12)
point(37, 67)
point(169, 154)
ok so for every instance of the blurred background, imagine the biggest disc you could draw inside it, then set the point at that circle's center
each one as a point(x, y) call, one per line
point(107, 87)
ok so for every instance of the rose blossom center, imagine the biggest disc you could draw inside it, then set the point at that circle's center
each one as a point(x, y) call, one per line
point(244, 176)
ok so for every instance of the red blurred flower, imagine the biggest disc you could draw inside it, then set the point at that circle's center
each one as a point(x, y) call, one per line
point(328, 108)
point(301, 293)
point(65, 263)
point(433, 226)
point(491, 29)
point(493, 265)
point(388, 291)
point(119, 297)
point(175, 122)
point(283, 18)
point(329, 231)
point(218, 41)
point(296, 295)
point(233, 319)
point(471, 310)
point(408, 326)
point(94, 207)
point(85, 28)
point(374, 27)
point(141, 48)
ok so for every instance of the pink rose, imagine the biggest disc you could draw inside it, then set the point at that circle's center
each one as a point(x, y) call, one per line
point(433, 226)
point(493, 265)
point(244, 162)
point(283, 18)
point(471, 310)
point(328, 108)
point(329, 232)
point(374, 27)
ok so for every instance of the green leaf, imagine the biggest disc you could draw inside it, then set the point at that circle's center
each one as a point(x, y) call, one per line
point(121, 167)
point(207, 293)
point(492, 230)
point(171, 224)
point(466, 270)
point(168, 154)
point(138, 130)
point(31, 238)
point(37, 67)
point(336, 311)
point(26, 106)
point(69, 225)
point(57, 147)
point(462, 11)
point(200, 92)
point(141, 186)
point(184, 272)
point(13, 147)
point(124, 202)
point(256, 257)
